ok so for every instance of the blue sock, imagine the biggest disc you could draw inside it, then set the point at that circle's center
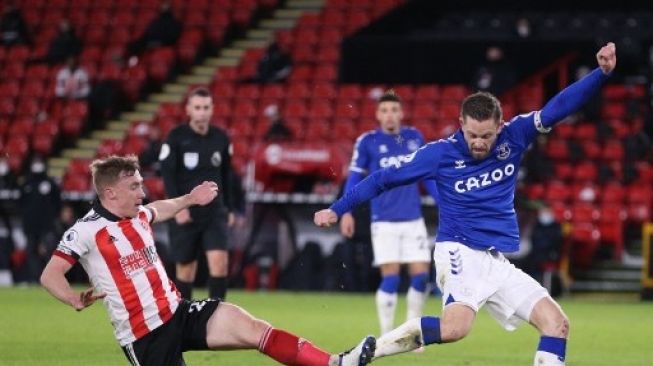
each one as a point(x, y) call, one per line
point(431, 330)
point(418, 281)
point(390, 284)
point(557, 346)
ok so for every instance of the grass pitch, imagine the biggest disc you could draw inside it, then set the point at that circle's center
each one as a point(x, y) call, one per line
point(35, 329)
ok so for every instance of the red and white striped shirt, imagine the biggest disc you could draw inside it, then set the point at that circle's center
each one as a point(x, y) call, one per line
point(121, 261)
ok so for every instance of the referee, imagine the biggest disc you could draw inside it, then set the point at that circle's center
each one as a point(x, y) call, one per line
point(193, 153)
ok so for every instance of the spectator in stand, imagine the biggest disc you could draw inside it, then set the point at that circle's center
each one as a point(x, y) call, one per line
point(72, 81)
point(275, 66)
point(278, 131)
point(164, 30)
point(495, 75)
point(149, 158)
point(13, 28)
point(40, 204)
point(64, 45)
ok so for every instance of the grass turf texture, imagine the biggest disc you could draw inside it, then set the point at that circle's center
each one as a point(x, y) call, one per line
point(35, 329)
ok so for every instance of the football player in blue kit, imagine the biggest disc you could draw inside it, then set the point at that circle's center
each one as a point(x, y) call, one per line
point(398, 231)
point(476, 172)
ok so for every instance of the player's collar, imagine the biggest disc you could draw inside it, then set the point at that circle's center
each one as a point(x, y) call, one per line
point(97, 207)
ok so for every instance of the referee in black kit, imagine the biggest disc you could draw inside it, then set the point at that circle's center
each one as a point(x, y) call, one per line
point(193, 153)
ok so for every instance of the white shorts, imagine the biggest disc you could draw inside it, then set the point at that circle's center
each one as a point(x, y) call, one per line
point(400, 242)
point(477, 277)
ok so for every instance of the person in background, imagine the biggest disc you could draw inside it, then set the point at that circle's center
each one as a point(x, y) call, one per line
point(72, 81)
point(277, 131)
point(40, 204)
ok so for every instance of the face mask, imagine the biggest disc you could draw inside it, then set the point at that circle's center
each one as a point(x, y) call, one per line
point(545, 218)
point(4, 168)
point(38, 167)
point(587, 195)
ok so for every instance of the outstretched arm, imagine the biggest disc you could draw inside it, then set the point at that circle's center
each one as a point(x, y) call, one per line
point(577, 94)
point(421, 166)
point(200, 195)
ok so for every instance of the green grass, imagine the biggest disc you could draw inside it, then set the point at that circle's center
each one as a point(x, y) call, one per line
point(35, 329)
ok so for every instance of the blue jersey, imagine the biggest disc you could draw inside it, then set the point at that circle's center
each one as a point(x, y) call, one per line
point(377, 149)
point(476, 196)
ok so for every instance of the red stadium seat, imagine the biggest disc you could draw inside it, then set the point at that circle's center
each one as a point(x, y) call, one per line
point(613, 193)
point(109, 147)
point(535, 191)
point(613, 150)
point(347, 110)
point(324, 90)
point(154, 188)
point(563, 170)
point(591, 149)
point(76, 183)
point(318, 130)
point(245, 108)
point(564, 131)
point(453, 93)
point(223, 90)
point(298, 91)
point(639, 194)
point(557, 149)
point(557, 191)
point(320, 109)
point(273, 91)
point(586, 171)
point(584, 212)
point(350, 91)
point(326, 72)
point(585, 131)
point(584, 239)
point(42, 144)
point(429, 93)
point(345, 129)
point(248, 91)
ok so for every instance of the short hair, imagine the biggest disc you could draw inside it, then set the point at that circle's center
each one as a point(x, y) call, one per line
point(199, 92)
point(482, 106)
point(390, 96)
point(106, 172)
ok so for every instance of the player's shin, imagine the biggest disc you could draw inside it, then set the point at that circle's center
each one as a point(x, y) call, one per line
point(386, 302)
point(289, 349)
point(411, 335)
point(550, 352)
point(416, 296)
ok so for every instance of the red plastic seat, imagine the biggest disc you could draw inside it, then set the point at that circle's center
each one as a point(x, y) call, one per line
point(613, 193)
point(584, 212)
point(427, 92)
point(326, 72)
point(557, 191)
point(345, 129)
point(42, 144)
point(424, 110)
point(557, 149)
point(295, 108)
point(591, 149)
point(453, 93)
point(324, 90)
point(613, 150)
point(585, 131)
point(244, 108)
point(76, 183)
point(350, 91)
point(249, 91)
point(298, 91)
point(320, 109)
point(563, 170)
point(586, 171)
point(639, 194)
point(347, 110)
point(154, 188)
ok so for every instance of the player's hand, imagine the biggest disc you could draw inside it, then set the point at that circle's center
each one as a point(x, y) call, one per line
point(86, 298)
point(204, 193)
point(607, 58)
point(325, 218)
point(347, 225)
point(231, 219)
point(183, 217)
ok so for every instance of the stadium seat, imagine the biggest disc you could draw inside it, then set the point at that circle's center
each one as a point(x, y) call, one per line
point(557, 191)
point(298, 91)
point(585, 132)
point(557, 149)
point(591, 149)
point(584, 240)
point(613, 193)
point(563, 170)
point(324, 90)
point(584, 213)
point(320, 109)
point(613, 150)
point(430, 93)
point(585, 171)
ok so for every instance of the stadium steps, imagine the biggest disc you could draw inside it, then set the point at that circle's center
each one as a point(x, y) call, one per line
point(608, 277)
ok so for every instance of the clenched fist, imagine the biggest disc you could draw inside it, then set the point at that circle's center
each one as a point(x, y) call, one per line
point(607, 58)
point(325, 218)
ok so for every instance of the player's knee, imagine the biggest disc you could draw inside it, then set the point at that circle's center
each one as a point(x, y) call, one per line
point(557, 326)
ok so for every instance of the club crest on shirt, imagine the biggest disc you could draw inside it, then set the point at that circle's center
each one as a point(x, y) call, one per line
point(191, 159)
point(503, 151)
point(383, 149)
point(460, 164)
point(413, 145)
point(216, 159)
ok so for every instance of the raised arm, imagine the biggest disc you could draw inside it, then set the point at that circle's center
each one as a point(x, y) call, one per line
point(577, 94)
point(200, 195)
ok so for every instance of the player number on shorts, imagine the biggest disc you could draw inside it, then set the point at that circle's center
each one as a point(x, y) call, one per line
point(196, 306)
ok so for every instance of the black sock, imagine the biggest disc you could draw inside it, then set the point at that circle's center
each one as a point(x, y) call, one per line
point(217, 287)
point(185, 288)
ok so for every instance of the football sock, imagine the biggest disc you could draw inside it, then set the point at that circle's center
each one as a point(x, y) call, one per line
point(386, 302)
point(416, 296)
point(550, 352)
point(218, 287)
point(289, 349)
point(411, 335)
